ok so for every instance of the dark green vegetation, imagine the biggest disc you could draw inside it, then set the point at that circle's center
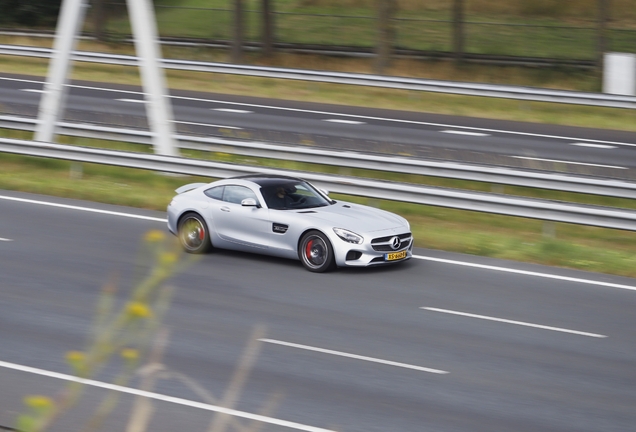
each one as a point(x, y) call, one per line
point(29, 12)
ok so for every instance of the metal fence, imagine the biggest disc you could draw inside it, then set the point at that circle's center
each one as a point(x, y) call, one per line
point(418, 32)
point(437, 86)
point(347, 159)
point(556, 211)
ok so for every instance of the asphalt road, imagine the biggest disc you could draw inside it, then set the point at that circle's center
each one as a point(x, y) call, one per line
point(503, 143)
point(536, 349)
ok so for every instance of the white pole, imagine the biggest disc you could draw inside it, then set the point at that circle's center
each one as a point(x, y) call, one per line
point(158, 108)
point(53, 99)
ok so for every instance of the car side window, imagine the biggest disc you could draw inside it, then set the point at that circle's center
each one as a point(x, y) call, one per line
point(236, 194)
point(215, 192)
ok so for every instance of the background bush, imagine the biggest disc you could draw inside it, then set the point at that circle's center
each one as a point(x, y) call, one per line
point(29, 12)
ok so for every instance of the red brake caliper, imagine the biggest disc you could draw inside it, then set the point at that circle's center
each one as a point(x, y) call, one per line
point(308, 249)
point(201, 233)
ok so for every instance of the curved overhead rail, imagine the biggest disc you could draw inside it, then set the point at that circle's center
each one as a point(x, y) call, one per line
point(416, 84)
point(464, 200)
point(488, 174)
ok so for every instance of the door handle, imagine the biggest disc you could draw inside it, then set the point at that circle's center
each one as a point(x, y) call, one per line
point(225, 209)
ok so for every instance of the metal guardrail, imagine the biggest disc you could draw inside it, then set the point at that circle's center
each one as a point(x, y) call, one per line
point(463, 200)
point(436, 86)
point(560, 182)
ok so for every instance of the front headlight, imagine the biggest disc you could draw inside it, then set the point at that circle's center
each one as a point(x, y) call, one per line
point(348, 236)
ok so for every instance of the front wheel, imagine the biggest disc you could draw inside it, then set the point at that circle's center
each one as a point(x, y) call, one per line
point(316, 253)
point(193, 234)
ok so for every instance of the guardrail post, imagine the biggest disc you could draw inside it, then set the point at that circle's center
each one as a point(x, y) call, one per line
point(619, 74)
point(458, 29)
point(55, 89)
point(239, 29)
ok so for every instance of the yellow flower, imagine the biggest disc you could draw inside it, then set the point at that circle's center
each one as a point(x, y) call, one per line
point(75, 356)
point(138, 310)
point(38, 402)
point(167, 258)
point(154, 236)
point(129, 354)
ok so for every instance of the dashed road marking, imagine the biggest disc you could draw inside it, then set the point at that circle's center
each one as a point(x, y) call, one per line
point(519, 323)
point(209, 125)
point(341, 121)
point(593, 145)
point(5, 240)
point(231, 110)
point(353, 356)
point(467, 133)
point(568, 162)
point(132, 100)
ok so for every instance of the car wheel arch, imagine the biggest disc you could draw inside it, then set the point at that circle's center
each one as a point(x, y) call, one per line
point(207, 245)
point(320, 236)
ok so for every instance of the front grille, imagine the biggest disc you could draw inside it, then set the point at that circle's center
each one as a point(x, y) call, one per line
point(384, 244)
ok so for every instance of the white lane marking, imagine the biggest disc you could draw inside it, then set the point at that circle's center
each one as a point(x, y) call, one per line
point(461, 132)
point(207, 124)
point(183, 122)
point(568, 162)
point(33, 90)
point(592, 145)
point(231, 110)
point(440, 125)
point(164, 398)
point(5, 240)
point(341, 121)
point(526, 273)
point(131, 100)
point(426, 258)
point(86, 209)
point(353, 356)
point(519, 323)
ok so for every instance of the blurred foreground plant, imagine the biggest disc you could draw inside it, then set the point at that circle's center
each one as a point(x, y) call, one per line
point(130, 336)
point(121, 335)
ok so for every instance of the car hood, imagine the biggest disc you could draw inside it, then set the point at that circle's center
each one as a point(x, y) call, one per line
point(355, 217)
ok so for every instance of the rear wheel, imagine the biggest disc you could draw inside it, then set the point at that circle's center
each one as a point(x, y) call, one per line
point(316, 253)
point(193, 234)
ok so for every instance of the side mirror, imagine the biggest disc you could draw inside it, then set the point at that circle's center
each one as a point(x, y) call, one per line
point(324, 192)
point(249, 202)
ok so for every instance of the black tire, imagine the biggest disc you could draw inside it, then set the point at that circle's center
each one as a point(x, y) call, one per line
point(193, 234)
point(316, 253)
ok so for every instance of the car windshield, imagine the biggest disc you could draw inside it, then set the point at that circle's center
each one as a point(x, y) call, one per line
point(293, 195)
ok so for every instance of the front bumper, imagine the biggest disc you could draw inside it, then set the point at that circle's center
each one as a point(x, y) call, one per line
point(373, 252)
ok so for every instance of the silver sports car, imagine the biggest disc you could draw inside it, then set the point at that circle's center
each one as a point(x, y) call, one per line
point(286, 217)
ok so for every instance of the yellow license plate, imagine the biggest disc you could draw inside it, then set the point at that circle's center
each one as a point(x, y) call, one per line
point(395, 256)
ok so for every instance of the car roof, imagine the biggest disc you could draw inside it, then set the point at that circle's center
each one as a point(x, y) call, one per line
point(266, 180)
